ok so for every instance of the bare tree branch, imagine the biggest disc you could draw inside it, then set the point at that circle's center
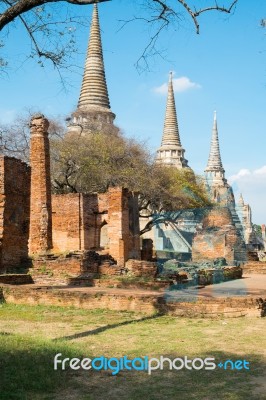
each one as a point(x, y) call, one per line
point(196, 13)
point(163, 14)
point(23, 6)
point(51, 44)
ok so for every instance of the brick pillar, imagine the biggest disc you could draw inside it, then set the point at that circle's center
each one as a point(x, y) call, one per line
point(118, 224)
point(40, 204)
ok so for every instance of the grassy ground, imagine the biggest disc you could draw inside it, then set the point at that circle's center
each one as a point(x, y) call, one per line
point(31, 336)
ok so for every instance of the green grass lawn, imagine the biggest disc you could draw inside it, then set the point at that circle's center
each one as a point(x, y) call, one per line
point(31, 336)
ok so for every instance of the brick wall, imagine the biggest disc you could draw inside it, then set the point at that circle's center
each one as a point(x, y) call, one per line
point(94, 221)
point(141, 268)
point(16, 279)
point(94, 216)
point(14, 211)
point(218, 237)
point(58, 267)
point(254, 267)
point(123, 230)
point(66, 222)
point(77, 219)
point(147, 303)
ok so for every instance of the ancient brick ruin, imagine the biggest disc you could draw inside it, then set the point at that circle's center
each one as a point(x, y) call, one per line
point(14, 212)
point(97, 221)
point(218, 237)
point(108, 223)
point(34, 222)
point(40, 200)
point(93, 239)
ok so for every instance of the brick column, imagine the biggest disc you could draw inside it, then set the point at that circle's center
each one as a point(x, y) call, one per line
point(118, 224)
point(40, 205)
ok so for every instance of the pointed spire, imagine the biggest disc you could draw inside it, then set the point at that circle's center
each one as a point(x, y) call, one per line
point(214, 161)
point(171, 151)
point(94, 93)
point(241, 200)
point(171, 131)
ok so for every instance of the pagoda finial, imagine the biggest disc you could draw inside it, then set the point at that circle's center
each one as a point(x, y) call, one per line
point(214, 161)
point(171, 151)
point(94, 93)
point(170, 131)
point(241, 200)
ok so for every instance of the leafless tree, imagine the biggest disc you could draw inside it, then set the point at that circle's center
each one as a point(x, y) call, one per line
point(51, 26)
point(161, 15)
point(15, 137)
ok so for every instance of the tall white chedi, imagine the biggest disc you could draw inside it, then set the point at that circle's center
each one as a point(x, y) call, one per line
point(214, 168)
point(220, 191)
point(245, 215)
point(93, 111)
point(171, 151)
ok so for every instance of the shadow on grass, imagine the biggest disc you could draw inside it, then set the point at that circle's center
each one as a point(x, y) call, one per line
point(105, 328)
point(27, 373)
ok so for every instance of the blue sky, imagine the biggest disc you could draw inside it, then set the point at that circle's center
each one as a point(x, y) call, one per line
point(223, 69)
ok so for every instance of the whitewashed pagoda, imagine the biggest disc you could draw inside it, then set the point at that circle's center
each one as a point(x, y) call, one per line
point(171, 151)
point(93, 112)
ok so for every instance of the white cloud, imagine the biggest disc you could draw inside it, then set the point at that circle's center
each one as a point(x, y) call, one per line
point(251, 177)
point(252, 184)
point(179, 84)
point(242, 173)
point(261, 171)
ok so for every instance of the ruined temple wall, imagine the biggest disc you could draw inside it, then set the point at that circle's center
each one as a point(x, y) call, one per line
point(66, 222)
point(211, 245)
point(79, 221)
point(123, 225)
point(14, 211)
point(218, 237)
point(94, 216)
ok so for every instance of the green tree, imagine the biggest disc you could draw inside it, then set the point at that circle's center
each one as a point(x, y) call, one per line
point(95, 162)
point(257, 230)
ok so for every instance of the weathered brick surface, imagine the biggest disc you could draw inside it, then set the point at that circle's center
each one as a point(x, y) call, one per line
point(214, 307)
point(40, 204)
point(125, 283)
point(77, 219)
point(82, 299)
point(123, 233)
point(218, 218)
point(218, 238)
point(14, 211)
point(255, 267)
point(110, 270)
point(16, 279)
point(67, 266)
point(122, 300)
point(94, 221)
point(141, 268)
point(66, 222)
point(118, 225)
point(58, 269)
